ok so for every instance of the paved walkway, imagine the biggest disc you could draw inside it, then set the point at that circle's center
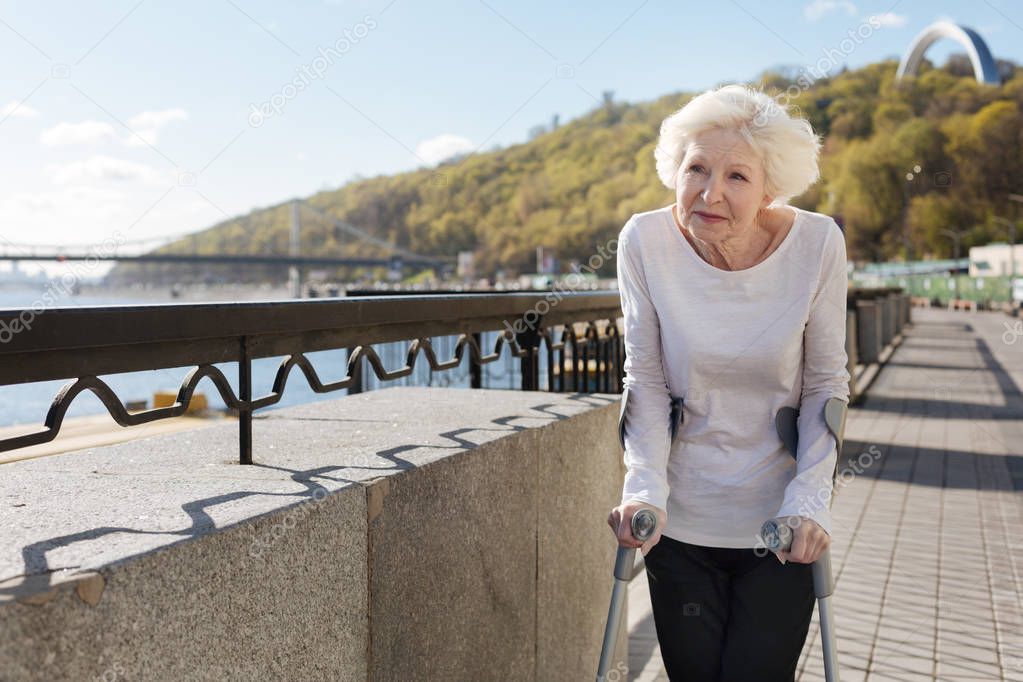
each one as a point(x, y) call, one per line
point(928, 539)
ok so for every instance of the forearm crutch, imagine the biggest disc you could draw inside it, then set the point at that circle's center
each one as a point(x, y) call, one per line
point(778, 535)
point(644, 523)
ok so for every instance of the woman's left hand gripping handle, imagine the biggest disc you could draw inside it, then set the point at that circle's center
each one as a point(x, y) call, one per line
point(620, 521)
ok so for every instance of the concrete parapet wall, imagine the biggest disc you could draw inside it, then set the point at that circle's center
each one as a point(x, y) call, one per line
point(406, 533)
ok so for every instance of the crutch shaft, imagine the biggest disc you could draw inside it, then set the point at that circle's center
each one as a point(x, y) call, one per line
point(778, 536)
point(827, 622)
point(626, 557)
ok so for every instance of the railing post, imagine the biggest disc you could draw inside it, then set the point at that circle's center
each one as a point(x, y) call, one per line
point(529, 340)
point(475, 368)
point(562, 383)
point(868, 330)
point(584, 358)
point(887, 303)
point(576, 351)
point(603, 364)
point(245, 396)
point(356, 385)
point(550, 361)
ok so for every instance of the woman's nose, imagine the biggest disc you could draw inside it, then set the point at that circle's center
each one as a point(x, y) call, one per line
point(712, 190)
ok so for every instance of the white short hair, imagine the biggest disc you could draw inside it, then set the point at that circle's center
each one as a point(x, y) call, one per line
point(786, 144)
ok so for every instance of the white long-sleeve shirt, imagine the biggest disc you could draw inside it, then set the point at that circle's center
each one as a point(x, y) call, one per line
point(735, 346)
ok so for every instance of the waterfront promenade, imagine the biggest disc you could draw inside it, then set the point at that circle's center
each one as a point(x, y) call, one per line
point(927, 541)
point(928, 538)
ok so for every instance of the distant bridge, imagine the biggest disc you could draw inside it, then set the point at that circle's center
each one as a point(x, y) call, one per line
point(397, 259)
point(393, 262)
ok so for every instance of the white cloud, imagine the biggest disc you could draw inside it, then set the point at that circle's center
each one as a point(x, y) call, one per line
point(444, 146)
point(817, 9)
point(148, 124)
point(76, 133)
point(891, 19)
point(103, 169)
point(17, 110)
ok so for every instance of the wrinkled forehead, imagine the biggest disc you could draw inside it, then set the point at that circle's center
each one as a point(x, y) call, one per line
point(723, 145)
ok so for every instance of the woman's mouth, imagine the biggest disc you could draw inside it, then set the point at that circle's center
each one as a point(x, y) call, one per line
point(709, 217)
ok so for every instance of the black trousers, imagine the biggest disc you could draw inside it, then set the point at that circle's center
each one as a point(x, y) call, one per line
point(728, 615)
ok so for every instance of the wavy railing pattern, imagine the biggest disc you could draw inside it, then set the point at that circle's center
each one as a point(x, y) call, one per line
point(607, 351)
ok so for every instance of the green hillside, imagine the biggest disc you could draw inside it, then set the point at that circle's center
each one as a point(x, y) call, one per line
point(573, 187)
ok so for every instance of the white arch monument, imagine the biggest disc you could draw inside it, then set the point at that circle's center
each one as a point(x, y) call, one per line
point(984, 68)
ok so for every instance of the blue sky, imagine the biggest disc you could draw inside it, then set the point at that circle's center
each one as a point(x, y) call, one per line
point(139, 117)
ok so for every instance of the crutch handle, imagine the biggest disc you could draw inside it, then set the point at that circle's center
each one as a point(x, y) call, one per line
point(643, 525)
point(777, 536)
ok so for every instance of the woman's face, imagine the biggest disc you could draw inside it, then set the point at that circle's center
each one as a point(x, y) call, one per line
point(719, 187)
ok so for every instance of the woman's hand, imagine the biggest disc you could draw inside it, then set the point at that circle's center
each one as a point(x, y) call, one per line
point(620, 520)
point(809, 540)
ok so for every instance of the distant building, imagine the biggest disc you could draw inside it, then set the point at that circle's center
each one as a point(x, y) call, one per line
point(994, 260)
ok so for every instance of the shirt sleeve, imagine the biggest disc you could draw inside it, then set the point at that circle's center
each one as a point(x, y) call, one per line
point(647, 402)
point(825, 375)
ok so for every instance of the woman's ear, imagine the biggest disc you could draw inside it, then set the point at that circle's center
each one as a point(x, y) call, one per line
point(766, 201)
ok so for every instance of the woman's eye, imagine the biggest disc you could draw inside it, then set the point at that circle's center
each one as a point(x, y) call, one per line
point(738, 175)
point(696, 168)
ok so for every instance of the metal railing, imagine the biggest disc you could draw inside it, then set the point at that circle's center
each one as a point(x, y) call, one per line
point(82, 344)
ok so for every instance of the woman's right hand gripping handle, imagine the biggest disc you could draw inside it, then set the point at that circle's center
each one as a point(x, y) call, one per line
point(620, 521)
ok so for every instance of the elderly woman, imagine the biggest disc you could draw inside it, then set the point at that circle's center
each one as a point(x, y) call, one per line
point(734, 306)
